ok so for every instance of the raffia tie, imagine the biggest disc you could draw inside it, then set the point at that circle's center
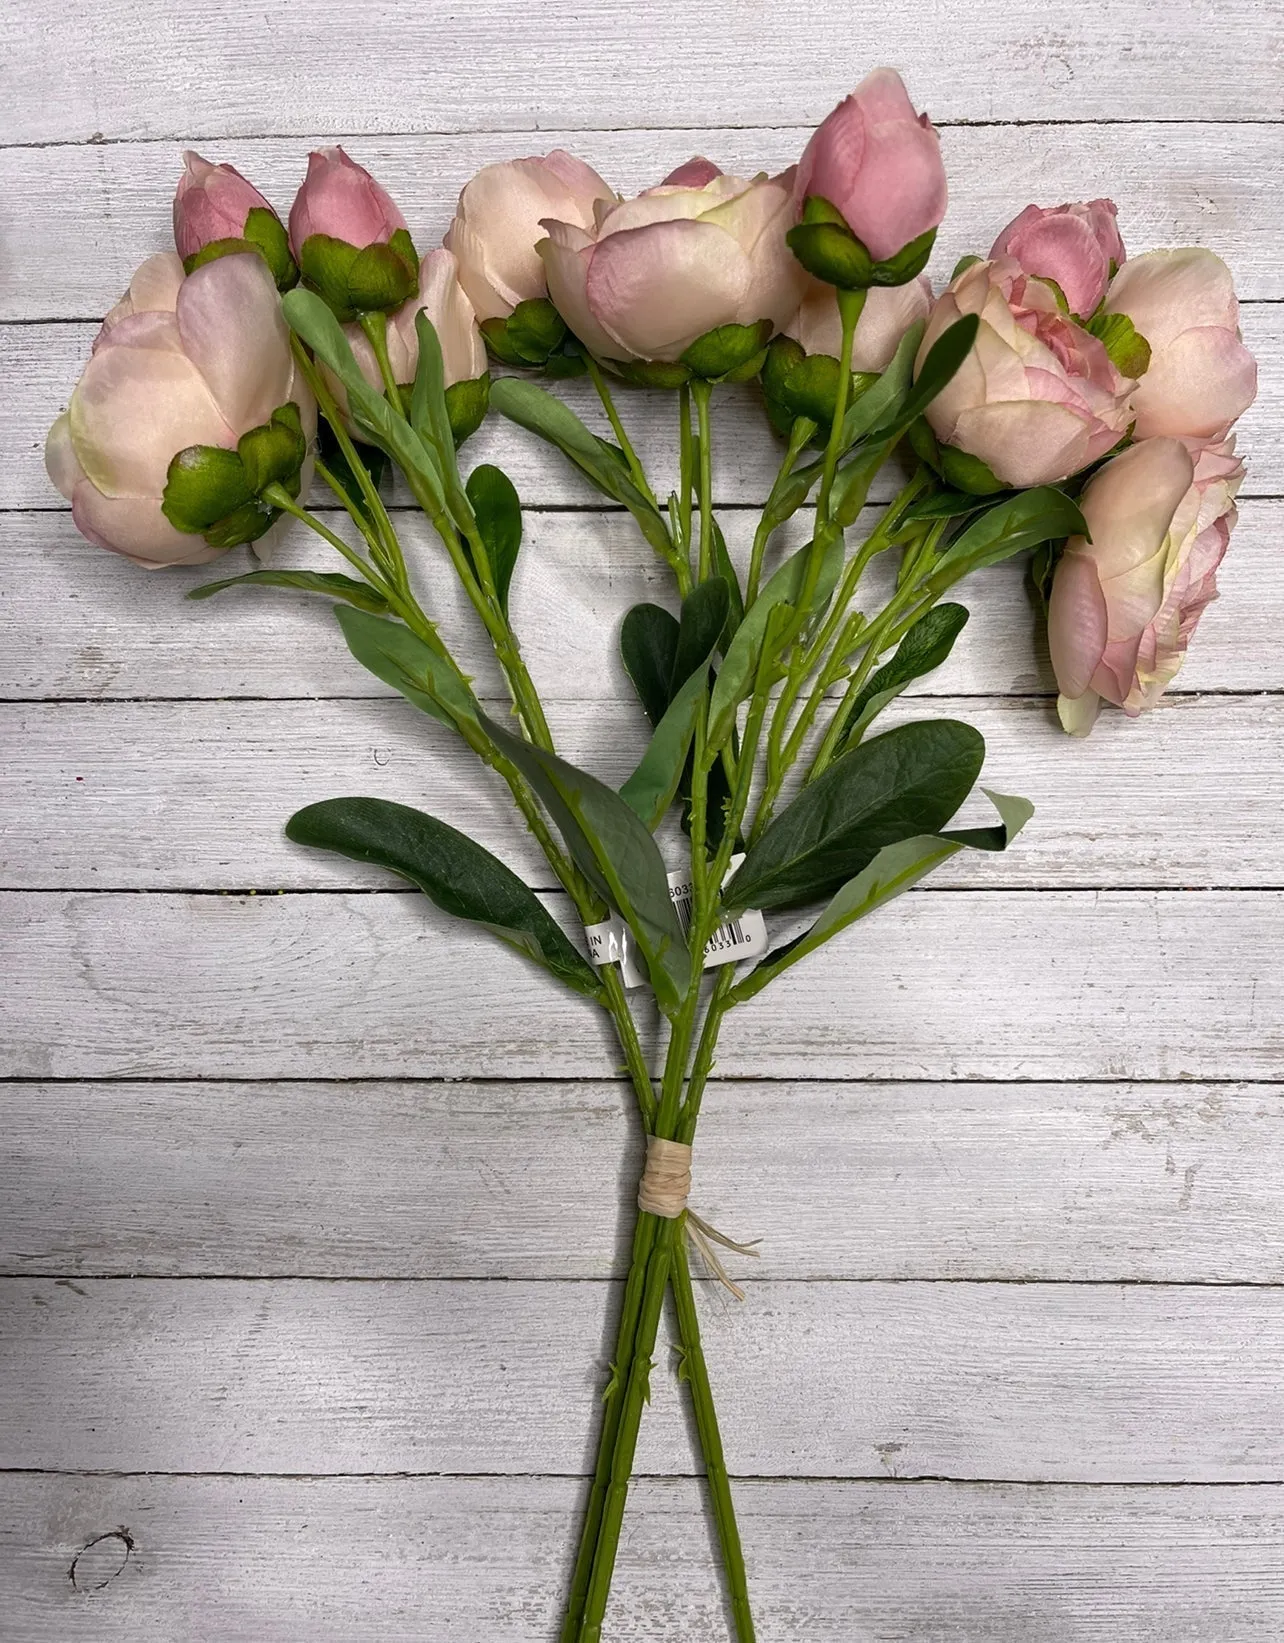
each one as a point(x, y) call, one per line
point(664, 1190)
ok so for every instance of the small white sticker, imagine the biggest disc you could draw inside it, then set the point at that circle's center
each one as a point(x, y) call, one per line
point(741, 937)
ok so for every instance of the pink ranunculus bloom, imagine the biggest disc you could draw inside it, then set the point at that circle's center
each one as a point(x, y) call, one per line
point(1201, 376)
point(209, 362)
point(879, 162)
point(443, 299)
point(1037, 398)
point(212, 202)
point(1124, 605)
point(497, 225)
point(888, 313)
point(1075, 245)
point(655, 273)
point(340, 199)
point(155, 285)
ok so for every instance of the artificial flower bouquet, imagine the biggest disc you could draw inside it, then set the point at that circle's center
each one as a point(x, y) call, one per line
point(1057, 400)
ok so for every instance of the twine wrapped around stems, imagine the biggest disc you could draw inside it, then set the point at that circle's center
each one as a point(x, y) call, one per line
point(664, 1189)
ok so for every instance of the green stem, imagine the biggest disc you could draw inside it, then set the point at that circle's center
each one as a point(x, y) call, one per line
point(771, 519)
point(686, 465)
point(280, 498)
point(701, 392)
point(375, 327)
point(617, 428)
point(850, 304)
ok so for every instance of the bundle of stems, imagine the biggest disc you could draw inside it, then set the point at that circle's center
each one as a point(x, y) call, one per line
point(781, 680)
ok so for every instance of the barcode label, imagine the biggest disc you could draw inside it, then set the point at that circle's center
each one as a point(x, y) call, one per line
point(744, 936)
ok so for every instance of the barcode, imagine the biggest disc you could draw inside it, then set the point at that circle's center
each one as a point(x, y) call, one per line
point(730, 933)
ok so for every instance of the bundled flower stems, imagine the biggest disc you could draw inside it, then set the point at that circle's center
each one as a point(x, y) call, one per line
point(1057, 400)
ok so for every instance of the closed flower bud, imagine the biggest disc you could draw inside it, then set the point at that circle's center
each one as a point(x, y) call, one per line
point(1125, 604)
point(218, 213)
point(185, 410)
point(1201, 376)
point(1078, 246)
point(1038, 397)
point(349, 239)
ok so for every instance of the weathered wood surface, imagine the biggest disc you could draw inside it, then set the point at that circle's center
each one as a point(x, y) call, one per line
point(39, 365)
point(440, 1560)
point(1043, 1076)
point(969, 984)
point(86, 624)
point(1027, 1382)
point(1160, 1183)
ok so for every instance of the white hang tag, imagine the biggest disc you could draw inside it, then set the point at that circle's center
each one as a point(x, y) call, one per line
point(734, 939)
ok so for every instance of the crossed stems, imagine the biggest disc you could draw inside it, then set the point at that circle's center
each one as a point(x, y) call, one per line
point(659, 1256)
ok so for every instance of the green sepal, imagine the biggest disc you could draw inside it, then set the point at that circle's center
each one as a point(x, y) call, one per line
point(650, 373)
point(214, 249)
point(374, 279)
point(968, 473)
point(531, 334)
point(274, 453)
point(244, 524)
point(466, 406)
point(826, 247)
point(495, 336)
point(204, 484)
point(963, 264)
point(924, 443)
point(266, 232)
point(1128, 349)
point(1063, 302)
point(726, 349)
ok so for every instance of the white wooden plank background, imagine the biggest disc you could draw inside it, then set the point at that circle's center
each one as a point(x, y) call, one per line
point(1015, 1153)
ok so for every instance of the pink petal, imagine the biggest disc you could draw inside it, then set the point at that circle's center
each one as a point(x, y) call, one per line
point(1197, 386)
point(565, 254)
point(1076, 623)
point(655, 290)
point(136, 528)
point(230, 320)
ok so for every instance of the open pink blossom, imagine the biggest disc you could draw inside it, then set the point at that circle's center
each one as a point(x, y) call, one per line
point(1078, 246)
point(1201, 376)
point(212, 202)
point(879, 163)
point(1125, 604)
point(657, 272)
point(340, 199)
point(888, 313)
point(209, 362)
point(497, 225)
point(1037, 398)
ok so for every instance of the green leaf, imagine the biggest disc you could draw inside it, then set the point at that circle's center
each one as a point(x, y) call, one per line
point(740, 665)
point(924, 647)
point(910, 780)
point(498, 512)
point(331, 453)
point(459, 875)
point(963, 264)
point(648, 647)
point(309, 317)
point(723, 565)
point(530, 406)
point(466, 405)
point(1128, 349)
point(1022, 521)
point(612, 846)
point(401, 659)
point(968, 473)
point(893, 870)
point(880, 404)
point(428, 410)
point(944, 357)
point(331, 583)
point(650, 789)
point(945, 505)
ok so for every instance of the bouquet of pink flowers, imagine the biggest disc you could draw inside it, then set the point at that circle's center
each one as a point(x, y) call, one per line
point(1057, 400)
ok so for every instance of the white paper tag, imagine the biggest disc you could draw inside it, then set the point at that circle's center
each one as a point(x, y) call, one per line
point(741, 937)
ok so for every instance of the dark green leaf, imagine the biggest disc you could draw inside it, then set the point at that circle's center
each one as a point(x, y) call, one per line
point(330, 583)
point(499, 520)
point(944, 357)
point(401, 659)
point(909, 781)
point(1022, 521)
point(894, 869)
point(331, 453)
point(615, 851)
point(649, 646)
point(650, 789)
point(924, 647)
point(945, 505)
point(968, 473)
point(880, 405)
point(459, 875)
point(727, 571)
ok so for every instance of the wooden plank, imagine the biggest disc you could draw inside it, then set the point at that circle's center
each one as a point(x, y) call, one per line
point(86, 624)
point(973, 984)
point(1206, 184)
point(508, 68)
point(1162, 1183)
point(39, 365)
point(1020, 1382)
point(482, 1560)
point(118, 795)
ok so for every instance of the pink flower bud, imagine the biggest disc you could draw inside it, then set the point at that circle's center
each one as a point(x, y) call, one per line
point(441, 297)
point(1125, 604)
point(1038, 397)
point(212, 202)
point(1075, 245)
point(341, 200)
point(879, 163)
point(205, 365)
point(1201, 376)
point(497, 225)
point(657, 272)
